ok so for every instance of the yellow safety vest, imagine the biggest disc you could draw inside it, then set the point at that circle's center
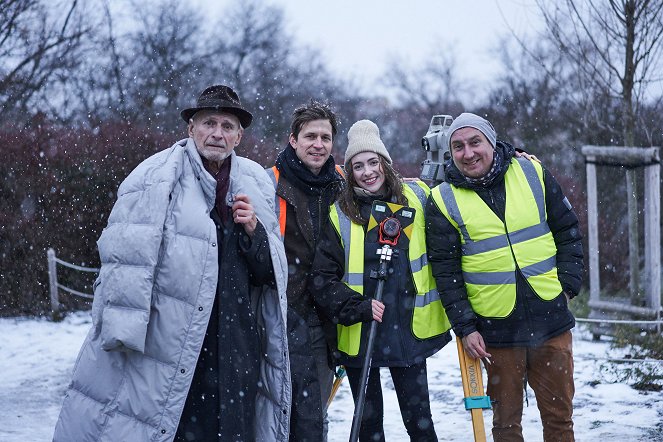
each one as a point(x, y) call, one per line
point(429, 318)
point(492, 250)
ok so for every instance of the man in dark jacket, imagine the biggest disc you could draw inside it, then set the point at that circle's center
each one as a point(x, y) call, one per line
point(307, 182)
point(506, 252)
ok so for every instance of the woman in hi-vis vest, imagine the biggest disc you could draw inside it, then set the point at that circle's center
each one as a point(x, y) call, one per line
point(412, 322)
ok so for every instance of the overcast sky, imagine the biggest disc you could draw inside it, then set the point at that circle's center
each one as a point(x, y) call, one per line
point(359, 37)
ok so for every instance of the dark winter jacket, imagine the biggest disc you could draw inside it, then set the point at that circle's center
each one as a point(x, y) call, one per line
point(533, 321)
point(229, 372)
point(395, 343)
point(308, 198)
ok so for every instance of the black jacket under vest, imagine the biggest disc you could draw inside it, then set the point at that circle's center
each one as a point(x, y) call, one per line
point(395, 343)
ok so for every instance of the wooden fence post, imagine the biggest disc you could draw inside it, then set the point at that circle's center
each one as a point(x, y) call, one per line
point(53, 285)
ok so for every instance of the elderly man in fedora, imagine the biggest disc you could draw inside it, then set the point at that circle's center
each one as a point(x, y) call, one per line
point(188, 339)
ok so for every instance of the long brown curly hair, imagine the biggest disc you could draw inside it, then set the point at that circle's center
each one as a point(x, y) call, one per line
point(349, 201)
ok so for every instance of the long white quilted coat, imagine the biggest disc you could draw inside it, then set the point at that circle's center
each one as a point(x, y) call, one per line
point(152, 304)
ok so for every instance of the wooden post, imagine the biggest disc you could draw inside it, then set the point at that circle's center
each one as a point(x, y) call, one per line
point(653, 237)
point(593, 230)
point(53, 285)
point(629, 157)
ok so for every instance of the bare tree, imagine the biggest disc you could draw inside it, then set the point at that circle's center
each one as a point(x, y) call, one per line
point(258, 56)
point(529, 105)
point(433, 87)
point(38, 42)
point(115, 63)
point(430, 88)
point(165, 61)
point(617, 46)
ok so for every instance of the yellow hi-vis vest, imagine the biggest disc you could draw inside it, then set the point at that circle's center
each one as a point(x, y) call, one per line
point(492, 251)
point(429, 318)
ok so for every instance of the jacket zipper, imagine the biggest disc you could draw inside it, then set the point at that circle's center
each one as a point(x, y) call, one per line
point(520, 296)
point(317, 235)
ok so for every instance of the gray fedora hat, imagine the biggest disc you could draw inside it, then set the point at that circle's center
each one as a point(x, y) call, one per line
point(220, 98)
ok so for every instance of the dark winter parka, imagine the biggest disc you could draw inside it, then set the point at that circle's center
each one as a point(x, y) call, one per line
point(153, 300)
point(395, 343)
point(533, 320)
point(307, 198)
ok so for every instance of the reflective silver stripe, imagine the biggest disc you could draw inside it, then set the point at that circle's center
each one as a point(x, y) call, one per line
point(344, 225)
point(277, 206)
point(474, 247)
point(529, 233)
point(535, 185)
point(500, 278)
point(452, 207)
point(354, 278)
point(419, 263)
point(484, 245)
point(421, 195)
point(540, 268)
point(498, 242)
point(428, 298)
point(493, 278)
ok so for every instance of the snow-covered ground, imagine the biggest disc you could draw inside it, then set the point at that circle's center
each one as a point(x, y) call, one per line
point(37, 356)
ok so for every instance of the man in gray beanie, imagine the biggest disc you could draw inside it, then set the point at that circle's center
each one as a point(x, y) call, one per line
point(506, 252)
point(467, 119)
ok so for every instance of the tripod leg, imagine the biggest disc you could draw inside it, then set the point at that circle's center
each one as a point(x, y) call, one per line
point(470, 371)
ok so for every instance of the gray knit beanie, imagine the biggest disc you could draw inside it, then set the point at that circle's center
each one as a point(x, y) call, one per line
point(467, 119)
point(364, 136)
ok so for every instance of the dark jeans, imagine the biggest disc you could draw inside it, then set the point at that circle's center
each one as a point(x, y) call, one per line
point(325, 374)
point(549, 371)
point(411, 385)
point(309, 383)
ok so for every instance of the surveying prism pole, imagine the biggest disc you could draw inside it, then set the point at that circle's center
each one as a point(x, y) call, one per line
point(475, 401)
point(381, 275)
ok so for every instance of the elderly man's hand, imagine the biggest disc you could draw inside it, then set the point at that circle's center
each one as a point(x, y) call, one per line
point(243, 213)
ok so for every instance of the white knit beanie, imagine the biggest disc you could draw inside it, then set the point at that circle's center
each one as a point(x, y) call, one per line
point(364, 136)
point(467, 119)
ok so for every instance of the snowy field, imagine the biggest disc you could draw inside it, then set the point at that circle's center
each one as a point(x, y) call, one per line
point(37, 357)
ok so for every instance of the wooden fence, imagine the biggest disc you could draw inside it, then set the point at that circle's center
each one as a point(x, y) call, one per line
point(55, 286)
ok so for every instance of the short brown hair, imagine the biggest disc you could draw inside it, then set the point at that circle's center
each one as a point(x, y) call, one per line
point(314, 110)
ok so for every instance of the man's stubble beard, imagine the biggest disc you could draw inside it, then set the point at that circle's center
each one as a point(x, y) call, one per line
point(213, 155)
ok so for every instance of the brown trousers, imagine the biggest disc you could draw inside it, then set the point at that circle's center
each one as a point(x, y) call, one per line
point(549, 371)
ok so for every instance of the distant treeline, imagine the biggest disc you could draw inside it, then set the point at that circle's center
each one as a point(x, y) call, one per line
point(87, 92)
